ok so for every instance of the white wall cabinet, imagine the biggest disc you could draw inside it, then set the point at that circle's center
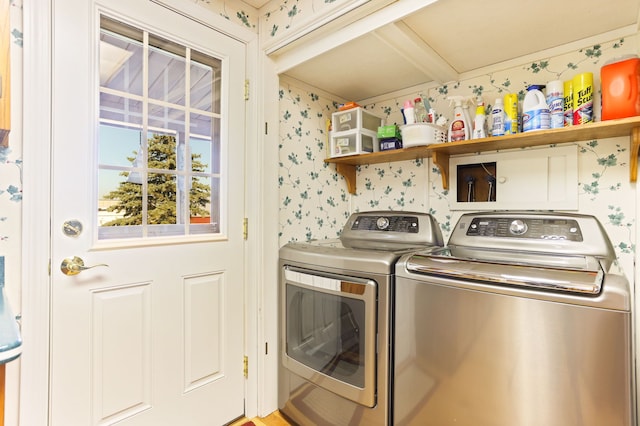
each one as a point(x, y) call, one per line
point(530, 179)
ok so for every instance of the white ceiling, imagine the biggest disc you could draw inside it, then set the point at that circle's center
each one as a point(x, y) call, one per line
point(256, 3)
point(450, 37)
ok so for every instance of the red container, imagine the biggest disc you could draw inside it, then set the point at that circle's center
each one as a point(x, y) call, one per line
point(620, 89)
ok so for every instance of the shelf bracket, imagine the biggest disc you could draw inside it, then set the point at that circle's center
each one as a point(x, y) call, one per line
point(633, 156)
point(348, 171)
point(441, 160)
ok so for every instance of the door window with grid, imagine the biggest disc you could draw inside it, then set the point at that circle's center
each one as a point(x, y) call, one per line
point(159, 149)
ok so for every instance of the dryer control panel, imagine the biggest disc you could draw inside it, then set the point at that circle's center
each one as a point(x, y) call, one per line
point(389, 223)
point(388, 230)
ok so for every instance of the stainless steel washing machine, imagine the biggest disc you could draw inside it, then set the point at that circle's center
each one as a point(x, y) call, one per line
point(336, 317)
point(517, 322)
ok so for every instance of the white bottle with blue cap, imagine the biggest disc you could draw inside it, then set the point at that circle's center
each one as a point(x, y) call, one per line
point(535, 111)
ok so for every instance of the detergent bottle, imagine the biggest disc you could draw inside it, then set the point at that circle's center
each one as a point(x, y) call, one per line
point(620, 82)
point(535, 111)
point(459, 128)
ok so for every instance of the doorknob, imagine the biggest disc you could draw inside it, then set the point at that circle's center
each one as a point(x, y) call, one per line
point(75, 266)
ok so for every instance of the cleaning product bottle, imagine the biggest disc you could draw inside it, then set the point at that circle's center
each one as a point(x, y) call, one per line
point(535, 111)
point(568, 103)
point(497, 118)
point(583, 98)
point(409, 112)
point(620, 83)
point(480, 120)
point(511, 113)
point(555, 101)
point(420, 110)
point(431, 118)
point(466, 102)
point(459, 128)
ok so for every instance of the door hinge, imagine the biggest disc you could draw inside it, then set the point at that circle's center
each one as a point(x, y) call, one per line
point(245, 228)
point(246, 90)
point(245, 367)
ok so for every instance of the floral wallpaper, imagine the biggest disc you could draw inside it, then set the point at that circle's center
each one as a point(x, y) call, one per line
point(11, 200)
point(234, 11)
point(11, 163)
point(277, 18)
point(314, 199)
point(314, 202)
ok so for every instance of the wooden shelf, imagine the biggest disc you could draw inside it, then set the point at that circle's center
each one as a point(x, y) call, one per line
point(440, 153)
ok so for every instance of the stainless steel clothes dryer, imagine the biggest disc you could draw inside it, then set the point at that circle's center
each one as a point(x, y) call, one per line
point(517, 322)
point(336, 318)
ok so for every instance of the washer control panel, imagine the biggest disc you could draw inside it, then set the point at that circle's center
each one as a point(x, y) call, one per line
point(530, 228)
point(391, 223)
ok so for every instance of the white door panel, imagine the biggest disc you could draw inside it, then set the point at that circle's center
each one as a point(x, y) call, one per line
point(156, 337)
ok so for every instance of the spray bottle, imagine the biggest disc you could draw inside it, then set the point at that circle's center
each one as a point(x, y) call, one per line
point(420, 110)
point(459, 128)
point(479, 123)
point(466, 103)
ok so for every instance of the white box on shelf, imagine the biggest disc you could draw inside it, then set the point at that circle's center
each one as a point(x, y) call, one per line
point(353, 142)
point(355, 119)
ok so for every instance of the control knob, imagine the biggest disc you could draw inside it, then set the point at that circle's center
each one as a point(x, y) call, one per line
point(382, 223)
point(518, 227)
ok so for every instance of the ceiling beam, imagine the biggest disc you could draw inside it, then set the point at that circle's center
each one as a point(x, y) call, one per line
point(407, 43)
point(328, 37)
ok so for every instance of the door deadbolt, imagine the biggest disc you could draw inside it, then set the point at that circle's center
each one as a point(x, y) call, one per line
point(72, 228)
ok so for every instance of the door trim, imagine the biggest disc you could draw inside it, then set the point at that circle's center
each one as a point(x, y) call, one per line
point(36, 230)
point(36, 154)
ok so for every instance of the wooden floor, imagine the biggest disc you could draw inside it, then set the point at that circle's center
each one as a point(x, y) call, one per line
point(273, 419)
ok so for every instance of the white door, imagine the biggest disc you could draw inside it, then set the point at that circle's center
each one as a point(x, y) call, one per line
point(148, 178)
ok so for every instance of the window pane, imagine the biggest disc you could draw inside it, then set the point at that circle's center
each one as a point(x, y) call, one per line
point(119, 145)
point(121, 58)
point(201, 126)
point(166, 71)
point(120, 199)
point(200, 203)
point(201, 87)
point(205, 82)
point(120, 109)
point(201, 155)
point(164, 118)
point(161, 199)
point(109, 182)
point(205, 140)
